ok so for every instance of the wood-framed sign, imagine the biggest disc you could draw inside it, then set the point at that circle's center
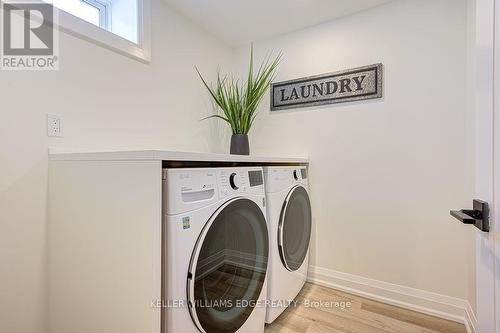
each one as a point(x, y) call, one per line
point(345, 86)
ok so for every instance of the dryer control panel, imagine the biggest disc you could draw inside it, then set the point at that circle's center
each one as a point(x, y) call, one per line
point(282, 178)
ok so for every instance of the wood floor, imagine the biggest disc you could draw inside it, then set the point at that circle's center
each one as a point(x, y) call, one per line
point(364, 316)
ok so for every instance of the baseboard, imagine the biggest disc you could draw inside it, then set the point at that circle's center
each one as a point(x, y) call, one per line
point(470, 320)
point(430, 303)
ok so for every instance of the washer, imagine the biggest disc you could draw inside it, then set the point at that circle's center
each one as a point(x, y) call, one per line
point(290, 225)
point(215, 250)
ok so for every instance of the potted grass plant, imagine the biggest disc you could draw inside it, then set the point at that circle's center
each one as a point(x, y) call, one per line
point(237, 102)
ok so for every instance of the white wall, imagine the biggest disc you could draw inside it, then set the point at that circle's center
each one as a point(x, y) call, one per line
point(385, 173)
point(107, 101)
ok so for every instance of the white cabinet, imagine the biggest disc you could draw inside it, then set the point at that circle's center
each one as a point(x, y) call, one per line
point(104, 237)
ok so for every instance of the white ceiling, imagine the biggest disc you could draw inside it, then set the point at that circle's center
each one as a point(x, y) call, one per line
point(239, 22)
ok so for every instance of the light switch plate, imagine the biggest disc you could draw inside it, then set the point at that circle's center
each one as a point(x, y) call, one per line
point(54, 125)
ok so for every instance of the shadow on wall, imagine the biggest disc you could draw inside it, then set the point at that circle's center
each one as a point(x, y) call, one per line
point(328, 107)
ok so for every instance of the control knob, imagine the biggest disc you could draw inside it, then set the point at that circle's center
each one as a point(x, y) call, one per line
point(235, 181)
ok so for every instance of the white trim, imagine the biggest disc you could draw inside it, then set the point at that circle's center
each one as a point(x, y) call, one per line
point(483, 17)
point(427, 302)
point(144, 24)
point(495, 209)
point(470, 320)
point(82, 29)
point(157, 229)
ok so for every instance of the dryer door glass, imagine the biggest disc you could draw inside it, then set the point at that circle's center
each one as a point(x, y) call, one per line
point(294, 231)
point(228, 267)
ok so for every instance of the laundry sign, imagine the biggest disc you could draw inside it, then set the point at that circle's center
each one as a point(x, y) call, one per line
point(339, 87)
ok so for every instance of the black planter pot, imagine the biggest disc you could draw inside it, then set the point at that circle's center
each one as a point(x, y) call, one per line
point(239, 144)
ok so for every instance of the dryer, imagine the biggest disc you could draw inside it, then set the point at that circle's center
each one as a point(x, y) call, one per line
point(215, 250)
point(290, 225)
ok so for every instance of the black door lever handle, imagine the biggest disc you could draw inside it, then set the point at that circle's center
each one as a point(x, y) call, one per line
point(478, 216)
point(463, 217)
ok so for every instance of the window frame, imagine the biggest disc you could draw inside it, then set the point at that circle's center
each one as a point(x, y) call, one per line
point(80, 28)
point(105, 12)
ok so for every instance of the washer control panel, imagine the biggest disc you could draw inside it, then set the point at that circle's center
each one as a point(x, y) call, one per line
point(188, 189)
point(240, 180)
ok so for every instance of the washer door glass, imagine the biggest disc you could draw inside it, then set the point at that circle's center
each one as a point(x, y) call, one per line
point(294, 231)
point(228, 267)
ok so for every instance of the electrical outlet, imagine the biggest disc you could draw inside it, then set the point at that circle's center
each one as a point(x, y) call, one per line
point(54, 125)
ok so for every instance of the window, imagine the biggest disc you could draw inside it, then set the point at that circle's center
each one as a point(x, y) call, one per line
point(92, 11)
point(122, 25)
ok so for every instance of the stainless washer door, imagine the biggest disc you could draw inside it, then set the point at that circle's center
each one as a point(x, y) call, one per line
point(228, 267)
point(294, 230)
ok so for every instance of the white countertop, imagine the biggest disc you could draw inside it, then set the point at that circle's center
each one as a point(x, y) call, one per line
point(165, 155)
